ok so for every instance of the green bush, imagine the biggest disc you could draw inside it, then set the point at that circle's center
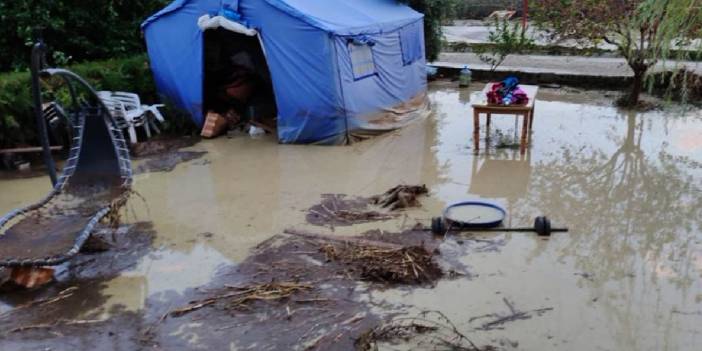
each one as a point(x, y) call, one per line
point(17, 125)
point(506, 39)
point(75, 30)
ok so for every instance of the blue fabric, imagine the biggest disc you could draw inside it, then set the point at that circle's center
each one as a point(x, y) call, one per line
point(412, 49)
point(301, 61)
point(350, 17)
point(305, 44)
point(393, 83)
point(233, 4)
point(174, 43)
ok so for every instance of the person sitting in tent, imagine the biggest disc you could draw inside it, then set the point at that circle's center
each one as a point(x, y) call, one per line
point(233, 93)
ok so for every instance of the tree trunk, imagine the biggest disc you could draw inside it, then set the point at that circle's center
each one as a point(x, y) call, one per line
point(637, 86)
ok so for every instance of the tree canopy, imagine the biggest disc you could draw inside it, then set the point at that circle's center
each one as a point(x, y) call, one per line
point(643, 31)
point(81, 30)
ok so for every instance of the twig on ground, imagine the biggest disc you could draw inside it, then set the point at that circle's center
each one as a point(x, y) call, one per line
point(63, 322)
point(245, 295)
point(514, 315)
point(63, 294)
point(432, 326)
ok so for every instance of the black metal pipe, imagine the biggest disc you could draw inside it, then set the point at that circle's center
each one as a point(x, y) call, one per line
point(38, 61)
point(525, 229)
point(498, 229)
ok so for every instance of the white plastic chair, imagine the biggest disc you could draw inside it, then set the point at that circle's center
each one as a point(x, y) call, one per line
point(119, 113)
point(135, 114)
point(132, 103)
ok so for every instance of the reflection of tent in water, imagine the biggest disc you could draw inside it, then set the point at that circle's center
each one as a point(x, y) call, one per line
point(336, 68)
point(503, 178)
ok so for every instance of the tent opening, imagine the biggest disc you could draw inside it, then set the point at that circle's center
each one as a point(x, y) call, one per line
point(237, 83)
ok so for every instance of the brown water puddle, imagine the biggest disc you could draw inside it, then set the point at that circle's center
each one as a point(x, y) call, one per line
point(629, 185)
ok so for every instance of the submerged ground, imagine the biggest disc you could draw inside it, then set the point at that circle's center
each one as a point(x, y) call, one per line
point(628, 275)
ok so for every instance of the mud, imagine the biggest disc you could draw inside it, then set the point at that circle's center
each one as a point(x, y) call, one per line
point(328, 313)
point(324, 307)
point(167, 162)
point(56, 317)
point(163, 154)
point(159, 146)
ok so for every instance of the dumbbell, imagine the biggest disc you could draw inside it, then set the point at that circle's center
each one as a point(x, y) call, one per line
point(542, 226)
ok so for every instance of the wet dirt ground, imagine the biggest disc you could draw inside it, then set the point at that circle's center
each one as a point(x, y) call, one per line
point(628, 275)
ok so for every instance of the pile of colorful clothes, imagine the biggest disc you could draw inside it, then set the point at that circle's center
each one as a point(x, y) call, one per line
point(507, 92)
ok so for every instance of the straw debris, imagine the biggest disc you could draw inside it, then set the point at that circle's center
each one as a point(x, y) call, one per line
point(338, 209)
point(412, 265)
point(361, 216)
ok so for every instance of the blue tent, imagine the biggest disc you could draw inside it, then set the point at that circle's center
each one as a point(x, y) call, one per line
point(338, 67)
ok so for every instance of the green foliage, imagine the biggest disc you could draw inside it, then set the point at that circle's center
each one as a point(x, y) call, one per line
point(17, 125)
point(642, 30)
point(75, 30)
point(506, 39)
point(679, 23)
point(436, 12)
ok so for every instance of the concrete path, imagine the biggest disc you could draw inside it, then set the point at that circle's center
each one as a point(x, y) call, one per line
point(477, 32)
point(566, 65)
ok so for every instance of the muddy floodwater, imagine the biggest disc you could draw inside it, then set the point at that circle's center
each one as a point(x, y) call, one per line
point(628, 275)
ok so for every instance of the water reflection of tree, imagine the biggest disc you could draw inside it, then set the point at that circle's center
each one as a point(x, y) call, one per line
point(628, 209)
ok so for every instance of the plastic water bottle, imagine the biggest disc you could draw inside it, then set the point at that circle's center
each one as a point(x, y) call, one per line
point(465, 77)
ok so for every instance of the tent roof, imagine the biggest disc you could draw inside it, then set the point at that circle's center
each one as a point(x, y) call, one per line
point(173, 6)
point(342, 17)
point(348, 17)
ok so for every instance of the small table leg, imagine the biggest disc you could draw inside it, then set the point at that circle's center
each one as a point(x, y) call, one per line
point(525, 128)
point(476, 130)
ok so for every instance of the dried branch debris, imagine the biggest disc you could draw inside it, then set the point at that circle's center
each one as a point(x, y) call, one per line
point(377, 261)
point(498, 320)
point(401, 196)
point(237, 297)
point(63, 294)
point(59, 322)
point(412, 265)
point(362, 216)
point(341, 210)
point(429, 330)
